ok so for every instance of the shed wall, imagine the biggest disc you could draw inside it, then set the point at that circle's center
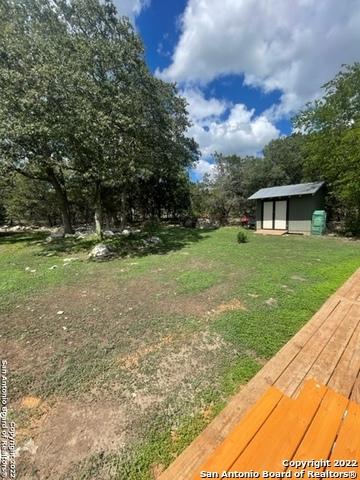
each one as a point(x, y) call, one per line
point(301, 210)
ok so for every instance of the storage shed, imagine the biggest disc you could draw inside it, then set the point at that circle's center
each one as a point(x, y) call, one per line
point(288, 208)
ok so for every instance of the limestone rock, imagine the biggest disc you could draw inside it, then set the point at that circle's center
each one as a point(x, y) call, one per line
point(154, 240)
point(53, 237)
point(99, 252)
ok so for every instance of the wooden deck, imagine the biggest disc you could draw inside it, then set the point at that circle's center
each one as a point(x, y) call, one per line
point(319, 424)
point(325, 352)
point(271, 232)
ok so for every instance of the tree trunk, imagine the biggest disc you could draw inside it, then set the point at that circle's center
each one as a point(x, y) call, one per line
point(123, 210)
point(98, 211)
point(63, 202)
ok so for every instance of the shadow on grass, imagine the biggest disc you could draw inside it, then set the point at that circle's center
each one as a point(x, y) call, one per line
point(134, 245)
point(11, 238)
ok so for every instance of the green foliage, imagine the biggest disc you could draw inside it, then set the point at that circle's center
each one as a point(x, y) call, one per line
point(283, 161)
point(4, 190)
point(242, 237)
point(30, 201)
point(2, 213)
point(332, 146)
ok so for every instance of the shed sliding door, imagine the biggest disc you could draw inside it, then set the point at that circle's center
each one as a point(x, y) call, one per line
point(268, 208)
point(280, 215)
point(275, 214)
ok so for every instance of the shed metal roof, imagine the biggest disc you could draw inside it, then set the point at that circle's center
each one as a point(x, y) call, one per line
point(287, 190)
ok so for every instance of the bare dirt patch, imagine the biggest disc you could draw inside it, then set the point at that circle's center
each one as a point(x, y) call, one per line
point(30, 402)
point(132, 361)
point(157, 470)
point(161, 298)
point(17, 355)
point(234, 304)
point(207, 412)
point(180, 368)
point(30, 414)
point(69, 433)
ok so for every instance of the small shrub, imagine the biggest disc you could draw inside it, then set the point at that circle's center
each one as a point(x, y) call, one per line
point(152, 225)
point(242, 237)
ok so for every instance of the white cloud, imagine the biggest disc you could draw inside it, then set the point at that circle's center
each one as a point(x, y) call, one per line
point(203, 167)
point(291, 45)
point(241, 132)
point(200, 108)
point(131, 8)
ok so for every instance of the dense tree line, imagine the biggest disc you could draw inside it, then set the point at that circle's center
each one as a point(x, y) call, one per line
point(34, 202)
point(81, 113)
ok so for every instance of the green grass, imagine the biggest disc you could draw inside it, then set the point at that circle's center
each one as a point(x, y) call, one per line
point(21, 254)
point(159, 306)
point(195, 281)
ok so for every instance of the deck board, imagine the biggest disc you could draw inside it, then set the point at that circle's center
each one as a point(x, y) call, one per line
point(327, 349)
point(295, 373)
point(275, 442)
point(349, 430)
point(227, 453)
point(342, 378)
point(320, 437)
point(330, 356)
point(355, 392)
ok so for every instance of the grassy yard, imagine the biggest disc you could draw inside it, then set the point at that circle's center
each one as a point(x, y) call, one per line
point(116, 366)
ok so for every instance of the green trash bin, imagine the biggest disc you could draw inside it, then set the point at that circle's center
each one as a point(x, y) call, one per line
point(318, 224)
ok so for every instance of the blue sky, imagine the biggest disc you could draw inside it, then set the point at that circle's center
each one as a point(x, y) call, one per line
point(245, 66)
